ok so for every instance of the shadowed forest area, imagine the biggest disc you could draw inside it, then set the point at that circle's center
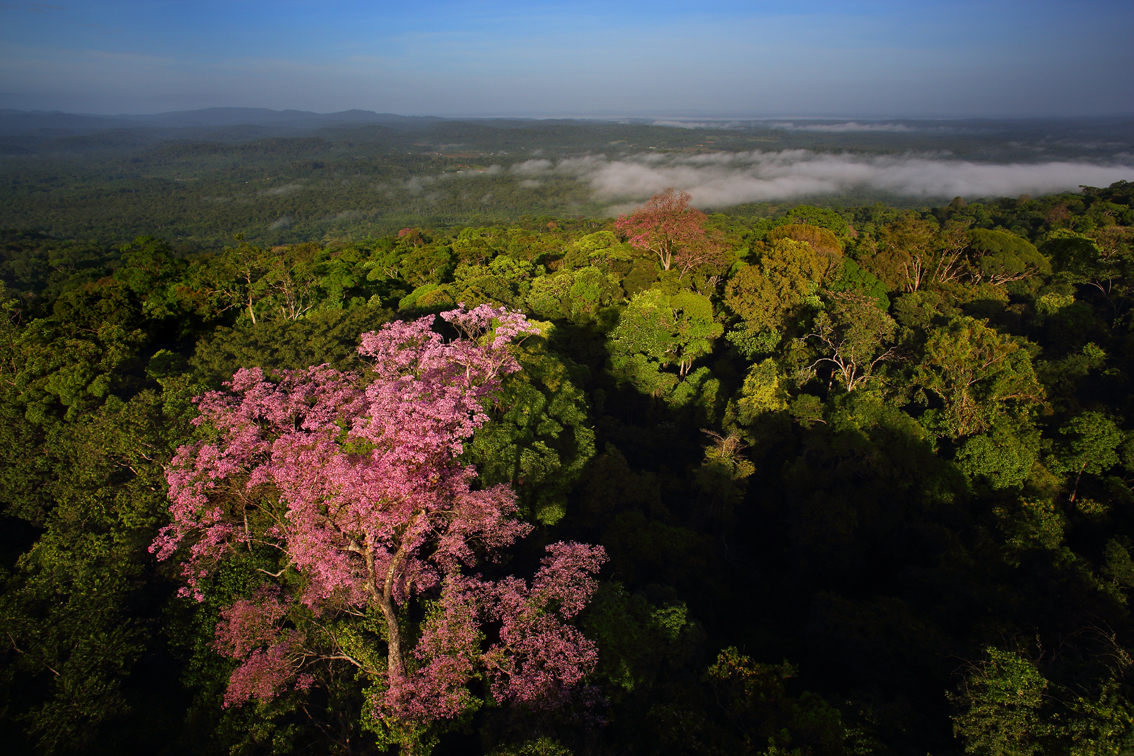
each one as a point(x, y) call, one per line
point(862, 477)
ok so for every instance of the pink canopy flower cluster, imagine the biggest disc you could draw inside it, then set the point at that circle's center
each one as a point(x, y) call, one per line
point(538, 656)
point(355, 480)
point(675, 232)
point(249, 631)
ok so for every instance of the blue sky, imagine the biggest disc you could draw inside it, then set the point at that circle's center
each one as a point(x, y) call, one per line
point(948, 58)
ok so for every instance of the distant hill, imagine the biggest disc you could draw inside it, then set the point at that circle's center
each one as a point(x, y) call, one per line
point(13, 122)
point(19, 122)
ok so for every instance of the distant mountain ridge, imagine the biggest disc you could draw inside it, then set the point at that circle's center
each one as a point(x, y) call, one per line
point(47, 134)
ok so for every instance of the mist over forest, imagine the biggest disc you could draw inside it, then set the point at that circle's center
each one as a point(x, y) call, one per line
point(285, 176)
point(358, 433)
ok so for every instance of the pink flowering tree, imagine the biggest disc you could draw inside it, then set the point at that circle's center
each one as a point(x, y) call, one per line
point(675, 232)
point(353, 482)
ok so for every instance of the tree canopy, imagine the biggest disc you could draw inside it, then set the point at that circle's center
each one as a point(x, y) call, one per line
point(861, 484)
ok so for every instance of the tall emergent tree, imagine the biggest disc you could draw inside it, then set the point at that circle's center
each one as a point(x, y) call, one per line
point(353, 483)
point(670, 229)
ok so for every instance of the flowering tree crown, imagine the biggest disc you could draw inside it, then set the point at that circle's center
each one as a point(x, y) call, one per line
point(354, 481)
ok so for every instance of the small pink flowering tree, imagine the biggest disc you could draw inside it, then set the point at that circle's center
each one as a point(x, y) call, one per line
point(354, 482)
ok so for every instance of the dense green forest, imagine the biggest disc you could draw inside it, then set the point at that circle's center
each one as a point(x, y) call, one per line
point(309, 180)
point(864, 475)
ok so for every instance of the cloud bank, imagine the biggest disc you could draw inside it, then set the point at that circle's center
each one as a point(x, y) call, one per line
point(700, 124)
point(842, 128)
point(724, 179)
point(283, 191)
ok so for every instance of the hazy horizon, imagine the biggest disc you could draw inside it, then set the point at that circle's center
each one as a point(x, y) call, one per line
point(720, 59)
point(684, 119)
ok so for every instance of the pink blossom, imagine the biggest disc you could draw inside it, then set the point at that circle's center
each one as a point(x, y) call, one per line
point(539, 656)
point(359, 482)
point(265, 673)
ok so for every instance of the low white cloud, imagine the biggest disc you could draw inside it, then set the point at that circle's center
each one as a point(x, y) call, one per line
point(344, 216)
point(416, 184)
point(284, 221)
point(724, 179)
point(531, 167)
point(849, 126)
point(699, 124)
point(283, 191)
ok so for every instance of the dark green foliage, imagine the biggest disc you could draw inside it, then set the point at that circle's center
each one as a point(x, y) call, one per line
point(539, 441)
point(37, 267)
point(891, 511)
point(999, 257)
point(329, 336)
point(765, 718)
point(577, 295)
point(857, 278)
point(643, 640)
point(80, 606)
point(69, 362)
point(657, 331)
point(427, 265)
point(982, 377)
point(1008, 708)
point(999, 460)
point(1003, 701)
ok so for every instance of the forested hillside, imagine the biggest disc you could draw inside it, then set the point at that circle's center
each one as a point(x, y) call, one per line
point(816, 481)
point(195, 178)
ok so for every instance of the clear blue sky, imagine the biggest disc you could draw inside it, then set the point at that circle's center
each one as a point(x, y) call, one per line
point(950, 58)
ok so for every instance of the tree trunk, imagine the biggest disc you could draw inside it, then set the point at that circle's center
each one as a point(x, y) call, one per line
point(384, 595)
